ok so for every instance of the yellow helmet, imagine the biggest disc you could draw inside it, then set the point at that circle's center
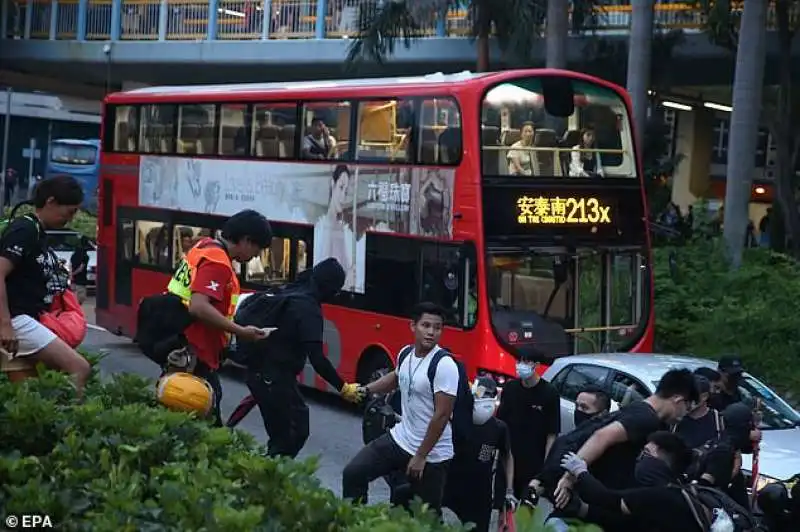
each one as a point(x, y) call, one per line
point(185, 392)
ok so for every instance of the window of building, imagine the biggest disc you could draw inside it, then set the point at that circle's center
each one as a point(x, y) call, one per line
point(196, 129)
point(439, 132)
point(233, 130)
point(157, 134)
point(385, 130)
point(126, 128)
point(326, 131)
point(273, 133)
point(153, 244)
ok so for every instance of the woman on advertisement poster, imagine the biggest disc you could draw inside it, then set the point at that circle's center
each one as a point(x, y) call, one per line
point(435, 207)
point(332, 232)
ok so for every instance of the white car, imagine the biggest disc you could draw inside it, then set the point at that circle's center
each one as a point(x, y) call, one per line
point(64, 242)
point(637, 375)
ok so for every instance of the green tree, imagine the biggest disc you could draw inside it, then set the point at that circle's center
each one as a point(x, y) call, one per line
point(516, 24)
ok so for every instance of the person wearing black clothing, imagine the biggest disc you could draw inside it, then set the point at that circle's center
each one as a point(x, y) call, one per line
point(27, 266)
point(471, 481)
point(611, 452)
point(656, 505)
point(731, 369)
point(531, 408)
point(283, 356)
point(701, 424)
point(79, 266)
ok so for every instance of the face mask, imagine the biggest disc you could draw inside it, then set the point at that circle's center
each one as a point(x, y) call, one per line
point(482, 410)
point(524, 371)
point(581, 417)
point(652, 471)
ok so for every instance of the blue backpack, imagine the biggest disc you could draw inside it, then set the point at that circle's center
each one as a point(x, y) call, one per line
point(461, 421)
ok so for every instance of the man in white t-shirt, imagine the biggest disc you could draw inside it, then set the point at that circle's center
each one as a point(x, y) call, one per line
point(421, 444)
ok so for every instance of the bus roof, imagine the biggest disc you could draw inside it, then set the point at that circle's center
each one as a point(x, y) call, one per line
point(394, 87)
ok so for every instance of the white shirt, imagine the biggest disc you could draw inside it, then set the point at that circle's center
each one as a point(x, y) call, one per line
point(416, 400)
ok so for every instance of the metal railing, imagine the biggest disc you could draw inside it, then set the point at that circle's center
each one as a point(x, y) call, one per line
point(190, 20)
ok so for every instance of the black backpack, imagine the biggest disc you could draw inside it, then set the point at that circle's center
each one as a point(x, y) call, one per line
point(704, 500)
point(379, 416)
point(461, 421)
point(160, 322)
point(263, 309)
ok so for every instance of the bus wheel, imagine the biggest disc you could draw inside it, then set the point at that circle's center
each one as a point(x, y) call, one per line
point(374, 364)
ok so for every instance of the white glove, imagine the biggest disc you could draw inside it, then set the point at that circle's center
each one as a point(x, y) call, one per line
point(574, 464)
point(511, 502)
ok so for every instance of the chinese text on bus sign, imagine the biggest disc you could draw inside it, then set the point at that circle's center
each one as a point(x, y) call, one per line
point(553, 211)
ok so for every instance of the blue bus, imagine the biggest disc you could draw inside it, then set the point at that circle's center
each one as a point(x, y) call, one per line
point(81, 160)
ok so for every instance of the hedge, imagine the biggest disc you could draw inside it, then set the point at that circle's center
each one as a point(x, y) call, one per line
point(704, 308)
point(120, 462)
point(84, 222)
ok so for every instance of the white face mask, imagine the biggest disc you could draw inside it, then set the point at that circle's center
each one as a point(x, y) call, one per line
point(482, 410)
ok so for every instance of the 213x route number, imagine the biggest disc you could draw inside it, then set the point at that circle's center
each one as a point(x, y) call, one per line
point(582, 211)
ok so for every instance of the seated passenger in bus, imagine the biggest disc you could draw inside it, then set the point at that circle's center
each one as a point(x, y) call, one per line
point(318, 142)
point(586, 163)
point(522, 161)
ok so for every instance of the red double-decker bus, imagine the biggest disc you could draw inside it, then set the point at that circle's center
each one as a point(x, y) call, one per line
point(513, 199)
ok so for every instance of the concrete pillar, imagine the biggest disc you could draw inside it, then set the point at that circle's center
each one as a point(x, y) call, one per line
point(693, 143)
point(322, 10)
point(83, 12)
point(265, 24)
point(163, 13)
point(441, 23)
point(116, 19)
point(211, 31)
point(53, 34)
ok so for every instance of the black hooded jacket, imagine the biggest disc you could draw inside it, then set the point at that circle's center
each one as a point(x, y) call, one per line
point(301, 324)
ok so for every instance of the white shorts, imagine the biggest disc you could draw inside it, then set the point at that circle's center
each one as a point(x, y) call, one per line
point(32, 337)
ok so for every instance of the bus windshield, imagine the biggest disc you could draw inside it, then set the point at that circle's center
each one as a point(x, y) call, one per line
point(69, 153)
point(556, 127)
point(556, 302)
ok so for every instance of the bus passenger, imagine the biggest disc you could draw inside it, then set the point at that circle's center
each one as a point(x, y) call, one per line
point(207, 283)
point(585, 162)
point(318, 143)
point(26, 264)
point(521, 160)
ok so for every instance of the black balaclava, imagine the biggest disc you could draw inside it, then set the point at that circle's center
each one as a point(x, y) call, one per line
point(651, 471)
point(328, 278)
point(738, 420)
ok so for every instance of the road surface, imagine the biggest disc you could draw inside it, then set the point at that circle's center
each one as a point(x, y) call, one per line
point(335, 429)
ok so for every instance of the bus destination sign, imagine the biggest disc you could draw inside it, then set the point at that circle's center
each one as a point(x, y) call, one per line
point(556, 210)
point(550, 212)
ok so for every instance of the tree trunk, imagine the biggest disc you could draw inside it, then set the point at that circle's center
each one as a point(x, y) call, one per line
point(557, 33)
point(747, 100)
point(639, 53)
point(783, 133)
point(484, 26)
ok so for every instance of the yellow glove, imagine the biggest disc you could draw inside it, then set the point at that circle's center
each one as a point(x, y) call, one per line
point(352, 392)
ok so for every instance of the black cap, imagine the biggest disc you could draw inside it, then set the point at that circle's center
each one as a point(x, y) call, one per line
point(488, 384)
point(702, 383)
point(730, 364)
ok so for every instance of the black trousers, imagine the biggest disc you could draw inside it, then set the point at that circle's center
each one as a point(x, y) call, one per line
point(380, 458)
point(212, 377)
point(283, 410)
point(471, 509)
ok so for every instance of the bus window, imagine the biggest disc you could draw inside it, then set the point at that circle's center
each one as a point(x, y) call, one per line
point(157, 133)
point(326, 131)
point(152, 243)
point(441, 282)
point(271, 266)
point(126, 128)
point(273, 132)
point(233, 129)
point(196, 129)
point(521, 138)
point(390, 270)
point(439, 132)
point(302, 256)
point(183, 238)
point(384, 130)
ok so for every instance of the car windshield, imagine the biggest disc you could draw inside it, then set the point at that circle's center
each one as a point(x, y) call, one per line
point(775, 412)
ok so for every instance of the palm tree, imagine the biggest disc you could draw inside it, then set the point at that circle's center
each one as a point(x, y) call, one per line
point(516, 24)
point(745, 118)
point(639, 56)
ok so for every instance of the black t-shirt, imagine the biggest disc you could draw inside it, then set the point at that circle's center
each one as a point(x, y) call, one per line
point(78, 259)
point(470, 474)
point(696, 432)
point(722, 400)
point(660, 509)
point(531, 415)
point(615, 467)
point(23, 243)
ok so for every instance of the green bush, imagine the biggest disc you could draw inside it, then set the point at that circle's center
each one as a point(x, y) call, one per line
point(84, 222)
point(704, 308)
point(119, 462)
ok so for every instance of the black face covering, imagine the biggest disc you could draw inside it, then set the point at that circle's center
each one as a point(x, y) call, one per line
point(581, 417)
point(652, 471)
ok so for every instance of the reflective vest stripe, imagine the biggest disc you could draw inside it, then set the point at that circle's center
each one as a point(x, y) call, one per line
point(181, 282)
